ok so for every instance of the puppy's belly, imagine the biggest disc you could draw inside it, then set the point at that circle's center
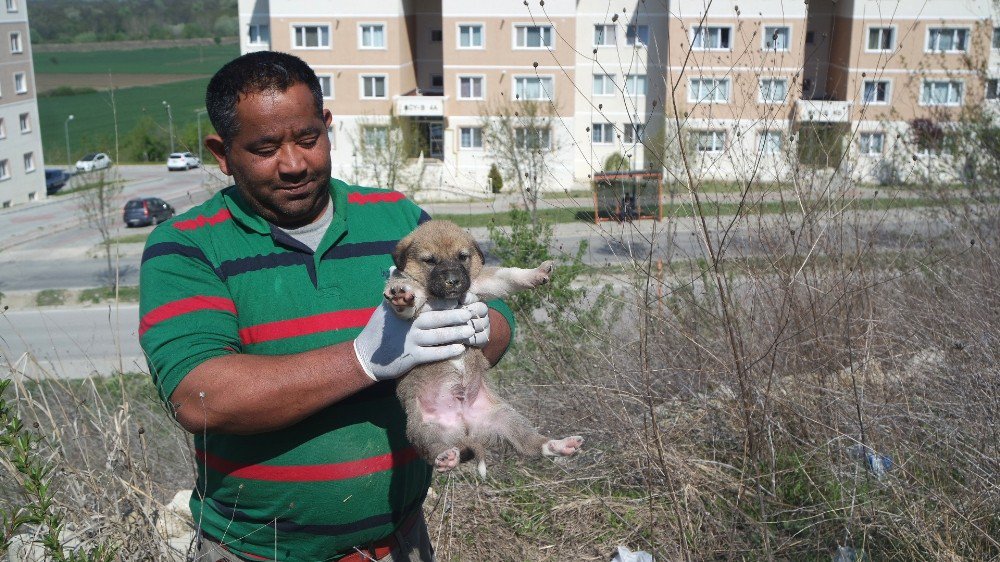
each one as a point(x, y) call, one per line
point(456, 400)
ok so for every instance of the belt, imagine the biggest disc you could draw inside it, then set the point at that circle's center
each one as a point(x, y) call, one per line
point(382, 548)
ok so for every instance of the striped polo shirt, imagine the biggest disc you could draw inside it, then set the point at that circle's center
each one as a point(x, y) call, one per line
point(219, 279)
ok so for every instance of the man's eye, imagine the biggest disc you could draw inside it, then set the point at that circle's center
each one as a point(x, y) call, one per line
point(265, 150)
point(311, 141)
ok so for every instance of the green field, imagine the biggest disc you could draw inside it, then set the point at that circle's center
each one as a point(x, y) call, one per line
point(94, 116)
point(173, 60)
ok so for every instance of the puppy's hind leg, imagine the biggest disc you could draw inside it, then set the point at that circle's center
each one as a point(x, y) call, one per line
point(508, 423)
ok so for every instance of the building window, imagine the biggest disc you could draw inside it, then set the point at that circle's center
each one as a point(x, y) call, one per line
point(810, 37)
point(710, 141)
point(374, 136)
point(373, 87)
point(602, 133)
point(947, 39)
point(633, 133)
point(326, 84)
point(29, 161)
point(635, 84)
point(709, 90)
point(777, 38)
point(258, 34)
point(773, 90)
point(941, 92)
point(533, 36)
point(637, 35)
point(533, 88)
point(881, 39)
point(20, 82)
point(993, 89)
point(470, 137)
point(437, 80)
point(470, 36)
point(372, 36)
point(25, 122)
point(605, 35)
point(870, 144)
point(710, 38)
point(3, 128)
point(604, 85)
point(11, 5)
point(470, 87)
point(771, 142)
point(6, 204)
point(436, 36)
point(311, 36)
point(875, 92)
point(4, 169)
point(996, 37)
point(532, 138)
point(15, 43)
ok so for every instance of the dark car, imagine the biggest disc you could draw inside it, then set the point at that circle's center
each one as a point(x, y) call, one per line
point(55, 179)
point(146, 210)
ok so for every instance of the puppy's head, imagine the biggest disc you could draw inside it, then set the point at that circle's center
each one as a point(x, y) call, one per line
point(440, 256)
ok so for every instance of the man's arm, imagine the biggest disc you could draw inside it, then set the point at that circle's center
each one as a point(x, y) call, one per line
point(244, 394)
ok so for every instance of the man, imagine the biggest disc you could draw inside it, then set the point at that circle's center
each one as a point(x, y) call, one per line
point(263, 323)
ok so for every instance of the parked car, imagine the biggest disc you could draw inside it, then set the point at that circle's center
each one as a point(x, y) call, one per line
point(182, 161)
point(55, 179)
point(93, 161)
point(144, 211)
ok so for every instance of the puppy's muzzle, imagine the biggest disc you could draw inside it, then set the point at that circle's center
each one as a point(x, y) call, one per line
point(448, 280)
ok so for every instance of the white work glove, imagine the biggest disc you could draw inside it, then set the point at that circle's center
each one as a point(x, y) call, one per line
point(388, 346)
point(480, 320)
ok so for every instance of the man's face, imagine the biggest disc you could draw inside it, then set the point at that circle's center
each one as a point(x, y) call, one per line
point(280, 159)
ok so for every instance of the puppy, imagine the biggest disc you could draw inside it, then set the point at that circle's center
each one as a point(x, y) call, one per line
point(452, 415)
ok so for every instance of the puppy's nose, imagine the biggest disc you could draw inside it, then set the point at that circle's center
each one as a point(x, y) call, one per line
point(452, 279)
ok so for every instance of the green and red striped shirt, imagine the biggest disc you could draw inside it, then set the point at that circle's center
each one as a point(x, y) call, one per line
point(219, 279)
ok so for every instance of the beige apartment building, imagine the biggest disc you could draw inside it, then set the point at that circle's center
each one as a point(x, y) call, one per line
point(22, 169)
point(743, 81)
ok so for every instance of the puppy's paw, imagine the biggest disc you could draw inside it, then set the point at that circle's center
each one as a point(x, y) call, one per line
point(402, 297)
point(562, 447)
point(447, 460)
point(542, 274)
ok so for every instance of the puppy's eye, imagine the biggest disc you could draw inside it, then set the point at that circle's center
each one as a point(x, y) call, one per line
point(463, 256)
point(430, 260)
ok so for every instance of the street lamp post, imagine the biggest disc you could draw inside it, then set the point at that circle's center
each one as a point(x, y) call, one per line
point(69, 156)
point(170, 122)
point(201, 141)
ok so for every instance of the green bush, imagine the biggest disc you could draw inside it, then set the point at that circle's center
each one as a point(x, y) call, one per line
point(51, 297)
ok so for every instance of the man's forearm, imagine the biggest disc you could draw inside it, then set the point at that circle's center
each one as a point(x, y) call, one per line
point(247, 394)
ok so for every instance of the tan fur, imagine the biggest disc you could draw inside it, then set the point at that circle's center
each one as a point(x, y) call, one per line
point(452, 413)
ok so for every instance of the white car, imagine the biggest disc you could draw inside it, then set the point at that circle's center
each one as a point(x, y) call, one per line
point(93, 161)
point(182, 161)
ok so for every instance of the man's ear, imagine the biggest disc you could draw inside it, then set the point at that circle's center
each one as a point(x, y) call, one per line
point(215, 145)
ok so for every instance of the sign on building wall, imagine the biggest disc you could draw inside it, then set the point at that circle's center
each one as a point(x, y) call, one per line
point(419, 106)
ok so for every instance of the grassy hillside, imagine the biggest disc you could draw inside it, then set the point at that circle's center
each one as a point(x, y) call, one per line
point(93, 124)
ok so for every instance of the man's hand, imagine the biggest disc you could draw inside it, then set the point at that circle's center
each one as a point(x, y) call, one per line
point(480, 320)
point(388, 347)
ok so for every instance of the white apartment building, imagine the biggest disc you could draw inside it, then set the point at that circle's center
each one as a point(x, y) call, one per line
point(22, 168)
point(744, 81)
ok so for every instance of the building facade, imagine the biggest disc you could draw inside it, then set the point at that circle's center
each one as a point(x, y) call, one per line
point(735, 91)
point(22, 167)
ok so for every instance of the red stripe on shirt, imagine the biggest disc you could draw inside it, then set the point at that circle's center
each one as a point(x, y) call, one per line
point(306, 325)
point(184, 306)
point(200, 221)
point(362, 198)
point(308, 473)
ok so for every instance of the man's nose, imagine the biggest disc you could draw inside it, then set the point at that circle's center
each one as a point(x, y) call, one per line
point(291, 162)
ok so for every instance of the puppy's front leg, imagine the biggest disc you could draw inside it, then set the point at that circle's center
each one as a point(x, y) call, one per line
point(499, 282)
point(405, 298)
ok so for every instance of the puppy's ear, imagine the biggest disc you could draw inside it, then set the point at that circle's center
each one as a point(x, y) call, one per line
point(399, 254)
point(479, 251)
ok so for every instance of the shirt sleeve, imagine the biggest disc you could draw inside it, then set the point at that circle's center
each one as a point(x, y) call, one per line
point(186, 314)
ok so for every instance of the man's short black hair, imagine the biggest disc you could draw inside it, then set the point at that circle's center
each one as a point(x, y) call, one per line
point(252, 73)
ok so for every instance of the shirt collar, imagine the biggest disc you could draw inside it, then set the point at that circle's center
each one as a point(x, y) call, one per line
point(244, 214)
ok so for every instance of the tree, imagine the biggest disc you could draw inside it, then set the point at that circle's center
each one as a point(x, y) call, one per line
point(389, 154)
point(147, 142)
point(519, 138)
point(99, 203)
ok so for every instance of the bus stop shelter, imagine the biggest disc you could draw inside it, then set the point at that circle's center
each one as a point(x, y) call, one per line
point(628, 195)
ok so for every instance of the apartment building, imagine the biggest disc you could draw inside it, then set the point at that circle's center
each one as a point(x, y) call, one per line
point(22, 175)
point(742, 82)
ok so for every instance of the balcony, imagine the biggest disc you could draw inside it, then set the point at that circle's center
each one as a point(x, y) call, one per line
point(823, 111)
